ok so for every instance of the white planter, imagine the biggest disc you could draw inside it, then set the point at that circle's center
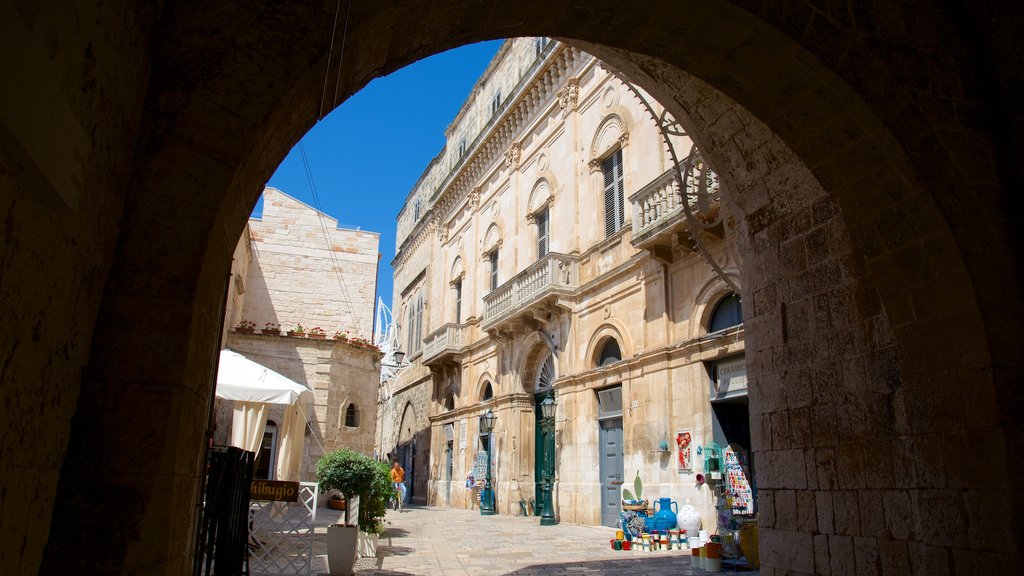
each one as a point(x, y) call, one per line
point(367, 547)
point(341, 549)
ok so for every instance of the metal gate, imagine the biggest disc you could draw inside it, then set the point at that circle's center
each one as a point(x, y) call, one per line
point(281, 534)
point(223, 532)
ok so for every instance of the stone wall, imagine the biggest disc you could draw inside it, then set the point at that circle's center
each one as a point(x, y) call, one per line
point(295, 278)
point(339, 374)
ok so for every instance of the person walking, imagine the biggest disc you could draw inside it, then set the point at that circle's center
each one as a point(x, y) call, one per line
point(398, 481)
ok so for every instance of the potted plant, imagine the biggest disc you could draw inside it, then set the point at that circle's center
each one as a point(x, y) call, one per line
point(298, 332)
point(271, 329)
point(317, 333)
point(366, 485)
point(339, 335)
point(245, 327)
point(336, 502)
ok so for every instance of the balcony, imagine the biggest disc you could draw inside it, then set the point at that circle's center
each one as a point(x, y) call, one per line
point(659, 221)
point(532, 293)
point(444, 344)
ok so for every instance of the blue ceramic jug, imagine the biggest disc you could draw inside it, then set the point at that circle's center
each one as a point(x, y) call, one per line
point(664, 516)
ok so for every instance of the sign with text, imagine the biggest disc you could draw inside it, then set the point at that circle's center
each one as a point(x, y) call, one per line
point(730, 379)
point(274, 490)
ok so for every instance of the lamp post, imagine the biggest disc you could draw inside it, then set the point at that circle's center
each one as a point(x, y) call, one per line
point(547, 413)
point(487, 494)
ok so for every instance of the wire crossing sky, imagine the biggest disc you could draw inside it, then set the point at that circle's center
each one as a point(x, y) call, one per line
point(366, 155)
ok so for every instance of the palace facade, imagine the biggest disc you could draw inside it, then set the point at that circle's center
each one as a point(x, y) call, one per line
point(547, 252)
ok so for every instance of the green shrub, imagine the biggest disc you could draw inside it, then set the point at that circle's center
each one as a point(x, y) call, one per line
point(354, 474)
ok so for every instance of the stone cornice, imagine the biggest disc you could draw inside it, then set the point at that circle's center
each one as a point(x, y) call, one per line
point(535, 94)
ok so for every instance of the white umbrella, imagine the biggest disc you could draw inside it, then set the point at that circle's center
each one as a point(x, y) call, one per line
point(239, 378)
point(253, 387)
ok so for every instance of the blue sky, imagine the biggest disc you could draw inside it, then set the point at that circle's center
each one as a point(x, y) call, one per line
point(366, 156)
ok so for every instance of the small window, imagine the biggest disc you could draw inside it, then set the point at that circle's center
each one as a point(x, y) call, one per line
point(542, 233)
point(267, 453)
point(614, 194)
point(493, 258)
point(488, 392)
point(462, 148)
point(496, 102)
point(610, 353)
point(728, 313)
point(352, 416)
point(538, 45)
point(458, 301)
point(416, 206)
point(449, 402)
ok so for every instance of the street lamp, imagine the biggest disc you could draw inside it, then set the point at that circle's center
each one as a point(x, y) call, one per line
point(547, 421)
point(487, 494)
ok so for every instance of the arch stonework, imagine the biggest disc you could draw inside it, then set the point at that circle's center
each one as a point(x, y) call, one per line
point(612, 328)
point(869, 158)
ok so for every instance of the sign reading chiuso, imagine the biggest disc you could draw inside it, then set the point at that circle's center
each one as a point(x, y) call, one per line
point(276, 490)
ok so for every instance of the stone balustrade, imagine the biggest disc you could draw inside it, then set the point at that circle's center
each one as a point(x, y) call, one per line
point(446, 340)
point(553, 274)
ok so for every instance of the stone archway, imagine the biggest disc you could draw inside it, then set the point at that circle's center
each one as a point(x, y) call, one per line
point(870, 155)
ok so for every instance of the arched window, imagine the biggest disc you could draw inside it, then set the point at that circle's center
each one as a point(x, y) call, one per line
point(610, 353)
point(352, 416)
point(449, 402)
point(488, 392)
point(728, 313)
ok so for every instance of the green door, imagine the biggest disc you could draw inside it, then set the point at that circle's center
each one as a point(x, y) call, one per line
point(544, 454)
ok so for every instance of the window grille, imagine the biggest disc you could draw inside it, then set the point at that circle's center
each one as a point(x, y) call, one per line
point(542, 233)
point(352, 416)
point(614, 193)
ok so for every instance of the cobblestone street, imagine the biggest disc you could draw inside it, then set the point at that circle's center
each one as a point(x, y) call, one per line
point(437, 541)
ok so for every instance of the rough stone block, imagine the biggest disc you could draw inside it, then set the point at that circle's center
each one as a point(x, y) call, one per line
point(841, 556)
point(847, 514)
point(899, 517)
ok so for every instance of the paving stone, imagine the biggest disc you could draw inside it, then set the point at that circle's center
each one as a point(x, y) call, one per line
point(448, 541)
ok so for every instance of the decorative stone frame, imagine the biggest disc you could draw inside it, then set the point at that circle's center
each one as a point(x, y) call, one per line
point(611, 135)
point(492, 240)
point(481, 386)
point(537, 347)
point(458, 270)
point(611, 329)
point(704, 304)
point(541, 197)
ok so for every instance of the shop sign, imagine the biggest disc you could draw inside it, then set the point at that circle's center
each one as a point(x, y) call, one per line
point(274, 490)
point(730, 379)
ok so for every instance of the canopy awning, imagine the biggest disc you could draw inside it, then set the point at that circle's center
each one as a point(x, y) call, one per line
point(239, 378)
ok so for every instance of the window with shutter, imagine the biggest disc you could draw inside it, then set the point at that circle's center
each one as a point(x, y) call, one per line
point(614, 194)
point(493, 257)
point(419, 323)
point(542, 233)
point(458, 301)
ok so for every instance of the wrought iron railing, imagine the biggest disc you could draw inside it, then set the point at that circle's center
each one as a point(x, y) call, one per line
point(552, 274)
point(446, 339)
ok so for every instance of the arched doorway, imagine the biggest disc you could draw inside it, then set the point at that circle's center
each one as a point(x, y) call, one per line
point(852, 143)
point(544, 436)
point(405, 450)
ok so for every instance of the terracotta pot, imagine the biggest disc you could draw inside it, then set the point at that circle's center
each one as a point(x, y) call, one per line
point(336, 504)
point(268, 332)
point(317, 336)
point(295, 334)
point(244, 330)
